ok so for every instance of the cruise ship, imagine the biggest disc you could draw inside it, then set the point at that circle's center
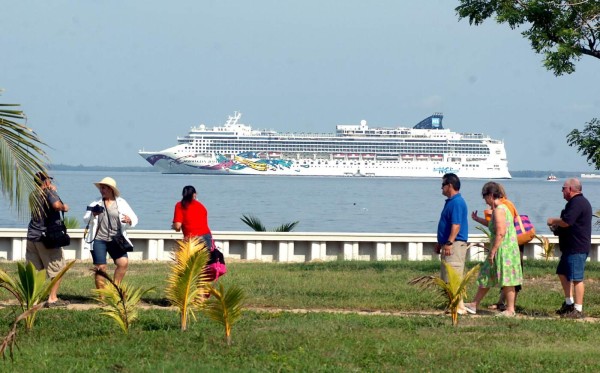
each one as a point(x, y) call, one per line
point(357, 150)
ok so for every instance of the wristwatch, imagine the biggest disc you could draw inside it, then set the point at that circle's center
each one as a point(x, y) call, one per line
point(448, 243)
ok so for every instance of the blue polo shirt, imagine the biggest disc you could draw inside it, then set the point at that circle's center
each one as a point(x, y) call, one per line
point(454, 212)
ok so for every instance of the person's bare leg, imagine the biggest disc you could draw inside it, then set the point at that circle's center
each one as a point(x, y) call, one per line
point(122, 265)
point(579, 291)
point(566, 285)
point(53, 297)
point(99, 280)
point(509, 296)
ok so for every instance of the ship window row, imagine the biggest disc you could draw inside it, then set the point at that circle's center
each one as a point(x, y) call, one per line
point(331, 146)
point(349, 149)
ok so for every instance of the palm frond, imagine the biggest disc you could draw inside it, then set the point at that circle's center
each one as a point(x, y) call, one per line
point(187, 282)
point(9, 284)
point(547, 247)
point(451, 292)
point(120, 300)
point(287, 227)
point(31, 284)
point(21, 156)
point(71, 222)
point(31, 288)
point(225, 307)
point(57, 278)
point(254, 223)
point(10, 340)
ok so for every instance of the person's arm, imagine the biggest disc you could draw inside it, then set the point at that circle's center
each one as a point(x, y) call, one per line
point(129, 217)
point(499, 217)
point(478, 219)
point(557, 222)
point(177, 218)
point(453, 234)
point(60, 206)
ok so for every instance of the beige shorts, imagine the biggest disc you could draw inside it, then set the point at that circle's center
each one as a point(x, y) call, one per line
point(456, 260)
point(52, 260)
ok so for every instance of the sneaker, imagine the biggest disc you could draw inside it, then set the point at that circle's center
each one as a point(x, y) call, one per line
point(471, 308)
point(565, 308)
point(574, 314)
point(506, 314)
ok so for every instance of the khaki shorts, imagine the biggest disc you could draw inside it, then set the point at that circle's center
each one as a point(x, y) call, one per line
point(456, 260)
point(52, 260)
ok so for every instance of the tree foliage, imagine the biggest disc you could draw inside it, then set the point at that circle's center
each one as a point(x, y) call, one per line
point(562, 30)
point(587, 142)
point(21, 156)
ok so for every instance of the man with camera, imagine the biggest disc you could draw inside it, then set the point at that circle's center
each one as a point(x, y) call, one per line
point(42, 257)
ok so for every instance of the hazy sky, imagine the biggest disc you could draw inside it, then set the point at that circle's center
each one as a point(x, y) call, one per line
point(100, 80)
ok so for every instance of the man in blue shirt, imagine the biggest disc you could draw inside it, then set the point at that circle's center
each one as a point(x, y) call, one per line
point(453, 229)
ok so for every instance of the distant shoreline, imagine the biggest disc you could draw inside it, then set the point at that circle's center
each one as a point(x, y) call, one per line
point(527, 173)
point(63, 167)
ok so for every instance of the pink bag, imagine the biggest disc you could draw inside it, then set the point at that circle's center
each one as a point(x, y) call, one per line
point(216, 264)
point(524, 228)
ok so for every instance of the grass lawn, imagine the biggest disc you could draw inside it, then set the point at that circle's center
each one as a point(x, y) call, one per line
point(417, 336)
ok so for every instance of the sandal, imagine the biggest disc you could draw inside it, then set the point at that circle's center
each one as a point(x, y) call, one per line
point(497, 306)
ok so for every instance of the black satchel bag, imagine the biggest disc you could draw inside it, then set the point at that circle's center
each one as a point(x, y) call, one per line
point(120, 241)
point(55, 236)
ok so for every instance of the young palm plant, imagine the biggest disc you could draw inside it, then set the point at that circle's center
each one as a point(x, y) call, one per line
point(547, 247)
point(10, 341)
point(188, 283)
point(31, 288)
point(119, 301)
point(255, 223)
point(225, 307)
point(453, 291)
point(71, 222)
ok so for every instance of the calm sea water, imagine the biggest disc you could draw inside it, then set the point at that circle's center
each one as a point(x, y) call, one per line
point(320, 204)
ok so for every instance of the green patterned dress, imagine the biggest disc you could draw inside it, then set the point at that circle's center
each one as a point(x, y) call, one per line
point(506, 270)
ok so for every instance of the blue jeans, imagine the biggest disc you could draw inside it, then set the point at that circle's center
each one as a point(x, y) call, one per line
point(100, 248)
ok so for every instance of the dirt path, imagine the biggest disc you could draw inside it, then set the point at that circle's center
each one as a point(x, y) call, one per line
point(84, 306)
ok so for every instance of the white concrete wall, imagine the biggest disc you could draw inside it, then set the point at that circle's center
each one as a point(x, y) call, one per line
point(283, 247)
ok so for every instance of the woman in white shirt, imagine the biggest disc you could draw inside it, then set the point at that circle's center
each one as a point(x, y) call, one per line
point(107, 217)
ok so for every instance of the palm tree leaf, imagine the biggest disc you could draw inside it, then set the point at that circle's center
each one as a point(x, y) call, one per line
point(119, 301)
point(187, 283)
point(287, 227)
point(254, 223)
point(46, 291)
point(10, 285)
point(21, 156)
point(225, 307)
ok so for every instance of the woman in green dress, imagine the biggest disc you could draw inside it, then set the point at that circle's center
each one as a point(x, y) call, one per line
point(502, 266)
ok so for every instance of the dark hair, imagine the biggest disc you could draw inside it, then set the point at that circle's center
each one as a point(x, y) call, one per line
point(493, 188)
point(188, 195)
point(453, 180)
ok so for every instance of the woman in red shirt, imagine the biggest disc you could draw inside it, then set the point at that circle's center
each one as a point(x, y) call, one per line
point(192, 217)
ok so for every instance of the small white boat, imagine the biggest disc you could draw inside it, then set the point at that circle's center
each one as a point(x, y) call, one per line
point(551, 178)
point(590, 176)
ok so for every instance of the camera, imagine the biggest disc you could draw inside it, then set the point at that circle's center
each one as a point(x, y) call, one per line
point(96, 209)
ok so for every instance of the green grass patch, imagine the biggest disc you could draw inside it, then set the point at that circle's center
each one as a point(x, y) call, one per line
point(85, 341)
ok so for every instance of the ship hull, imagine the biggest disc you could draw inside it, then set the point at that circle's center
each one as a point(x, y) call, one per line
point(338, 168)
